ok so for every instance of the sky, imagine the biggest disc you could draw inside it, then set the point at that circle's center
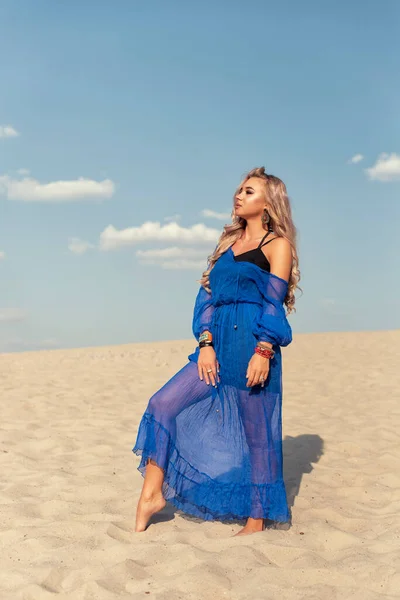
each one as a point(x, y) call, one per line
point(126, 126)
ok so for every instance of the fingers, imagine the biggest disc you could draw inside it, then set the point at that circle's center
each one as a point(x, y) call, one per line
point(209, 373)
point(254, 378)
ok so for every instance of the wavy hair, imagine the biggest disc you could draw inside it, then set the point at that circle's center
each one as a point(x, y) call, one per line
point(278, 205)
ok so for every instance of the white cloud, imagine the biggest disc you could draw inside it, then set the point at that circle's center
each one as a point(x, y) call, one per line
point(2, 255)
point(206, 212)
point(355, 159)
point(23, 172)
point(6, 131)
point(173, 218)
point(182, 264)
point(386, 168)
point(178, 263)
point(8, 315)
point(112, 238)
point(174, 258)
point(31, 190)
point(173, 252)
point(78, 246)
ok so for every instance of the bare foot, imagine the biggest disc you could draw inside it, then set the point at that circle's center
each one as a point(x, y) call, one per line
point(146, 508)
point(252, 526)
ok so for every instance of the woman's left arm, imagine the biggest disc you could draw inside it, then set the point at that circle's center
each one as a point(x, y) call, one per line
point(280, 258)
point(271, 327)
point(269, 330)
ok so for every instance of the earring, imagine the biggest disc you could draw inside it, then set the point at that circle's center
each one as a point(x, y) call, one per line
point(266, 219)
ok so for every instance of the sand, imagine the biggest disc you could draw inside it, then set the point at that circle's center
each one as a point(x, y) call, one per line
point(69, 480)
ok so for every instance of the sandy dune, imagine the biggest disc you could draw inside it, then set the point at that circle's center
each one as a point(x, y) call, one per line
point(69, 483)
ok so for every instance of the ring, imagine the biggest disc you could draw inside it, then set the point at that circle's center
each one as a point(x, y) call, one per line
point(261, 378)
point(209, 370)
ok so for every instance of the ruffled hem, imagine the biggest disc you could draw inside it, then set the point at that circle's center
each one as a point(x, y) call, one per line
point(197, 494)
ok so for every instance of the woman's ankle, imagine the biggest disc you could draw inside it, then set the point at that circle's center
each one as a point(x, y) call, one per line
point(149, 495)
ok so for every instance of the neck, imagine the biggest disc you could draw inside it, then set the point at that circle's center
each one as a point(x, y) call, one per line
point(254, 230)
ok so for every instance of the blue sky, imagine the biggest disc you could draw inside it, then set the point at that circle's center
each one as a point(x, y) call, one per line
point(114, 115)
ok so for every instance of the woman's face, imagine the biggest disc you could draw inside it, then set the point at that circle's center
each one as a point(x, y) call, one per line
point(250, 198)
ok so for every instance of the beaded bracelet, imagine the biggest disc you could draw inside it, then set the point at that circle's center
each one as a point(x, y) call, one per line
point(206, 335)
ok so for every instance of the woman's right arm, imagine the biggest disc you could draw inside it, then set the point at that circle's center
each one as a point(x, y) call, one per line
point(202, 313)
point(202, 317)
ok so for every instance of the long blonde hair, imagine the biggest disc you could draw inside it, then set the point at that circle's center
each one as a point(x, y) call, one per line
point(281, 222)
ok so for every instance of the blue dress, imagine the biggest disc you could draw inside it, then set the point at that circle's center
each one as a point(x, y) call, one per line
point(221, 448)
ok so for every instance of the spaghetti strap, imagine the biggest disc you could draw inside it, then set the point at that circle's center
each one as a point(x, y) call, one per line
point(266, 235)
point(270, 241)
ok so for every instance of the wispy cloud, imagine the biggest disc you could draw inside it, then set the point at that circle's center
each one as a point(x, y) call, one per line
point(182, 264)
point(386, 168)
point(173, 218)
point(174, 258)
point(112, 238)
point(28, 189)
point(355, 159)
point(78, 246)
point(2, 255)
point(9, 315)
point(328, 302)
point(7, 131)
point(211, 214)
point(173, 252)
point(21, 345)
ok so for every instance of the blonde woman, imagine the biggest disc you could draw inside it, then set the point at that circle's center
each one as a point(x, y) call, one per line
point(210, 439)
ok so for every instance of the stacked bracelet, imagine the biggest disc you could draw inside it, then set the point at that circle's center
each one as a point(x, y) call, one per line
point(205, 336)
point(264, 351)
point(203, 344)
point(205, 339)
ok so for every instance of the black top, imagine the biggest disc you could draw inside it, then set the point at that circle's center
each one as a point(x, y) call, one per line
point(256, 255)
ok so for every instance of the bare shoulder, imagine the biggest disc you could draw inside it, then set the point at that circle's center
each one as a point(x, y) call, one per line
point(279, 255)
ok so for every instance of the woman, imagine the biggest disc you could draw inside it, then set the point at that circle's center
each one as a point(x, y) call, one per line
point(210, 439)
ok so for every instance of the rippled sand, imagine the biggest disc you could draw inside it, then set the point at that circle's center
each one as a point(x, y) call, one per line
point(69, 483)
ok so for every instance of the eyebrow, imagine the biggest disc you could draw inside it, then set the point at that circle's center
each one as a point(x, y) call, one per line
point(246, 187)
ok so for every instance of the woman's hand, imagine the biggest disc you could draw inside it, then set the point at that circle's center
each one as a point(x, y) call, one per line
point(258, 367)
point(208, 360)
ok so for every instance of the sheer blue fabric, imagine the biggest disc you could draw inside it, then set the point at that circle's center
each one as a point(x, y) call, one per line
point(221, 447)
point(202, 313)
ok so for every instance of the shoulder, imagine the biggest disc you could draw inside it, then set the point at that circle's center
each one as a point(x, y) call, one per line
point(277, 247)
point(279, 254)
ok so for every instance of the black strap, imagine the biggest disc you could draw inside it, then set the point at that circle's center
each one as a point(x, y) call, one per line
point(266, 235)
point(275, 238)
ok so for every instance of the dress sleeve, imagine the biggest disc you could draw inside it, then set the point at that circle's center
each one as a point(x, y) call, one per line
point(202, 314)
point(271, 324)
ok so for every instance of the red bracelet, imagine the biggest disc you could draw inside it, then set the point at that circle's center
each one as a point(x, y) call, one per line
point(265, 352)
